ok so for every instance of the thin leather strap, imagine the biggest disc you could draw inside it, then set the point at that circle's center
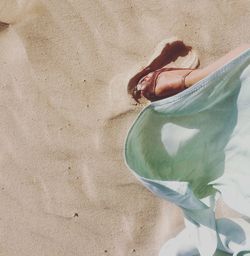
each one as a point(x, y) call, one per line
point(183, 79)
point(159, 71)
point(153, 81)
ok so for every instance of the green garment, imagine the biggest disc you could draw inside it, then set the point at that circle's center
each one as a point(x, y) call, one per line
point(195, 145)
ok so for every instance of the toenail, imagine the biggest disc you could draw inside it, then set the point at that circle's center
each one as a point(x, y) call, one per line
point(139, 86)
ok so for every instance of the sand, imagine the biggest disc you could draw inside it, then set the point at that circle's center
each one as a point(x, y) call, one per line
point(65, 189)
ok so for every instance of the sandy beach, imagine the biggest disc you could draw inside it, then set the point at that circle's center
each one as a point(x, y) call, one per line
point(65, 113)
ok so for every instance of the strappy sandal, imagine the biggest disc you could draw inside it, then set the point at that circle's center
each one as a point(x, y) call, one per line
point(149, 90)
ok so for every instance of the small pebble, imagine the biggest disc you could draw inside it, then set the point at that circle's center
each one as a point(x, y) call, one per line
point(76, 214)
point(105, 251)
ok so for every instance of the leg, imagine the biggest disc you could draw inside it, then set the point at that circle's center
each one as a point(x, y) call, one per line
point(201, 73)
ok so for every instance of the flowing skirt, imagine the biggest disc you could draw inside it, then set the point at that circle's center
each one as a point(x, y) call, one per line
point(194, 146)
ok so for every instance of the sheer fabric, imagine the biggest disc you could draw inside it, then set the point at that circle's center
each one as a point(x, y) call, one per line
point(194, 146)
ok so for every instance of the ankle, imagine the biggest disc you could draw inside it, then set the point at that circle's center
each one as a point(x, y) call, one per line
point(193, 77)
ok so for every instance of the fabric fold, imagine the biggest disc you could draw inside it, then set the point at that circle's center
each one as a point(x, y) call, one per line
point(192, 146)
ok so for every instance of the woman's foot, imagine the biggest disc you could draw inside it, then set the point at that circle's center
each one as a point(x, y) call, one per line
point(163, 83)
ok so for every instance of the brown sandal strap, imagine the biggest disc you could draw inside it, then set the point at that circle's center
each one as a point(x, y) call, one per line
point(153, 80)
point(183, 79)
point(155, 76)
point(159, 71)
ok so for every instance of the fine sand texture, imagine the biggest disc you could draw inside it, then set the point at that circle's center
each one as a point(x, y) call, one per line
point(65, 113)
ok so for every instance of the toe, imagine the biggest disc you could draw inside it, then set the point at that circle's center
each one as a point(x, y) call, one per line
point(141, 86)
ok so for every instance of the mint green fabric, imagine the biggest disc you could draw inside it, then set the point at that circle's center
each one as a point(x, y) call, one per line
point(194, 146)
